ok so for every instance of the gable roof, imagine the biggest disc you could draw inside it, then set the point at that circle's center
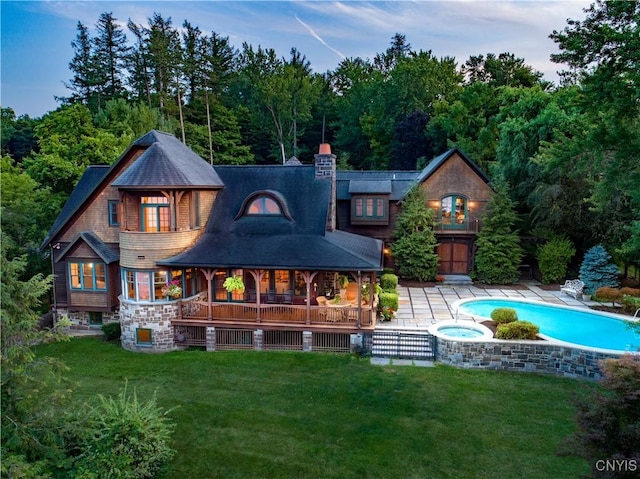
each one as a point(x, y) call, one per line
point(89, 180)
point(105, 253)
point(167, 162)
point(277, 242)
point(439, 160)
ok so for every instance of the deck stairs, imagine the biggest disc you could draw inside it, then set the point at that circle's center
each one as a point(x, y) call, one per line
point(457, 280)
point(403, 344)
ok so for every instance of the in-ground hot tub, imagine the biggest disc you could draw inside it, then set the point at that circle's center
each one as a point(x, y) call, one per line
point(464, 330)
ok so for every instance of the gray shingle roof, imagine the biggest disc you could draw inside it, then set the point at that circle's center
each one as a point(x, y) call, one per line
point(89, 180)
point(96, 244)
point(369, 181)
point(439, 160)
point(277, 242)
point(167, 163)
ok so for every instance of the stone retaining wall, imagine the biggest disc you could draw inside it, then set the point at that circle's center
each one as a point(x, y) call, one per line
point(154, 316)
point(528, 356)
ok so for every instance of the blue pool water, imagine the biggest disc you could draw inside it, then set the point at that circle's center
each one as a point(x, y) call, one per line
point(585, 328)
point(459, 332)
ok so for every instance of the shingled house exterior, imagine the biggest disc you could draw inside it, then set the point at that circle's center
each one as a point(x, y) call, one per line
point(368, 203)
point(162, 215)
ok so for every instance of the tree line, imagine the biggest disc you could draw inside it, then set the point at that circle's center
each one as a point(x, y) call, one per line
point(569, 153)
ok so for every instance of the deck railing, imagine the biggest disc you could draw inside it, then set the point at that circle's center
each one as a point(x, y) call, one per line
point(246, 313)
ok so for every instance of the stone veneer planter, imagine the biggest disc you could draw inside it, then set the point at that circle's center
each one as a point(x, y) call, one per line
point(529, 356)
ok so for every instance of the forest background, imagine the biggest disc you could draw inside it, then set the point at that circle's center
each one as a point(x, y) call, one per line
point(570, 153)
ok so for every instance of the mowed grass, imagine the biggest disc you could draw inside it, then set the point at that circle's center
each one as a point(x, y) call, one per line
point(310, 415)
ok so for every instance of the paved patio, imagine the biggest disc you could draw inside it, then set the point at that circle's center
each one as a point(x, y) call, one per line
point(421, 307)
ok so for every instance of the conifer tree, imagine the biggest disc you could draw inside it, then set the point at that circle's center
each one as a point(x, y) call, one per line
point(499, 252)
point(415, 244)
point(597, 270)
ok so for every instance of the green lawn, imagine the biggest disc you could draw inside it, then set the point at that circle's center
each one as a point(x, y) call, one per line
point(309, 415)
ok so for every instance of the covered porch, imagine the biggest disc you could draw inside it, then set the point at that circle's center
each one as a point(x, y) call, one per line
point(282, 298)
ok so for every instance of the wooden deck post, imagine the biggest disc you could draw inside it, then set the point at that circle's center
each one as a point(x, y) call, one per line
point(209, 274)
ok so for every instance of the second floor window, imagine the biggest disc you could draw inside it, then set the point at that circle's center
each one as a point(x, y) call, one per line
point(114, 216)
point(453, 211)
point(369, 208)
point(87, 276)
point(155, 213)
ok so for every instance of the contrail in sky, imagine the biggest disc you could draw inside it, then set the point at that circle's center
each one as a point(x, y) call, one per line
point(319, 38)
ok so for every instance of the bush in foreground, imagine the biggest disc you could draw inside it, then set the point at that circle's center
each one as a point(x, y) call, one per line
point(124, 438)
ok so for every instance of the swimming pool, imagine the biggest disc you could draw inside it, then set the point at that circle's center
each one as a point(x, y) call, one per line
point(577, 326)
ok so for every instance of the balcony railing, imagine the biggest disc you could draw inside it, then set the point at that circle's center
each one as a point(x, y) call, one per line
point(468, 225)
point(244, 314)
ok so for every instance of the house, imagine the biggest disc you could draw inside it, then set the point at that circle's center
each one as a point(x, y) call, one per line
point(161, 215)
point(368, 203)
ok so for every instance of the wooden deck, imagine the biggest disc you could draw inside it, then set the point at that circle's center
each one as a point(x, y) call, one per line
point(285, 316)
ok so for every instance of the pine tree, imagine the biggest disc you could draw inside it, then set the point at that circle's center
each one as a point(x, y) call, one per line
point(597, 270)
point(499, 252)
point(415, 244)
point(83, 84)
point(110, 55)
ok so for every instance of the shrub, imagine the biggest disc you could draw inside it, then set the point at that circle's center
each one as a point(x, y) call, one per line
point(635, 292)
point(553, 259)
point(597, 270)
point(125, 438)
point(112, 331)
point(608, 421)
point(389, 299)
point(504, 315)
point(607, 295)
point(388, 282)
point(630, 303)
point(517, 330)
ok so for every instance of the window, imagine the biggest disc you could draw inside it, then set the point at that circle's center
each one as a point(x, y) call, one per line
point(263, 205)
point(144, 337)
point(87, 276)
point(155, 213)
point(453, 211)
point(195, 205)
point(147, 285)
point(95, 318)
point(368, 209)
point(114, 216)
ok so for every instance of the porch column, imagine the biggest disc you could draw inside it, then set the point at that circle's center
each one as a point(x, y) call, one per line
point(209, 274)
point(257, 274)
point(308, 277)
point(359, 298)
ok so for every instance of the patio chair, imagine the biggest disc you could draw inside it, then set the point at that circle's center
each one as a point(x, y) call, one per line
point(287, 297)
point(271, 296)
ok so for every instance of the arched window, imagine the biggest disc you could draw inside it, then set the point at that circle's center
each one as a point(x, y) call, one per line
point(263, 205)
point(453, 211)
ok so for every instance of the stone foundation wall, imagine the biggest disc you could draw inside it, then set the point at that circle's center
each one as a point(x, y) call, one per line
point(528, 356)
point(80, 319)
point(154, 316)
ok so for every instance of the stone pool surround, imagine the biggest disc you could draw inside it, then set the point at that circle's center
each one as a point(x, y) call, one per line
point(524, 356)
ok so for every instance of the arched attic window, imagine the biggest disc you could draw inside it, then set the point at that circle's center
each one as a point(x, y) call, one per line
point(264, 203)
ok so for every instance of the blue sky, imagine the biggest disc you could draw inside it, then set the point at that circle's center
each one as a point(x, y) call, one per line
point(36, 36)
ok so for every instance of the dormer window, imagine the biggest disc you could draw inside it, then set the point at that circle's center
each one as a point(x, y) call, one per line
point(265, 203)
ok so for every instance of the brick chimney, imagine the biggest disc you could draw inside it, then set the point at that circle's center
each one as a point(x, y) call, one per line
point(325, 163)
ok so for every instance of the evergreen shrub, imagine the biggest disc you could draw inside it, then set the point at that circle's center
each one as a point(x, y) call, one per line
point(517, 330)
point(390, 299)
point(553, 259)
point(608, 295)
point(504, 315)
point(597, 270)
point(125, 438)
point(388, 282)
point(112, 331)
point(630, 303)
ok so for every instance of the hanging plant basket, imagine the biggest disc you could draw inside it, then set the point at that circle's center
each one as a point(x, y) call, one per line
point(234, 283)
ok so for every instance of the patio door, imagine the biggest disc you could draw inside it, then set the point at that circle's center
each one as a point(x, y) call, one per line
point(454, 257)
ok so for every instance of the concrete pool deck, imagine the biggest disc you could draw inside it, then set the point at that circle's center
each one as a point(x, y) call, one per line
point(419, 307)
